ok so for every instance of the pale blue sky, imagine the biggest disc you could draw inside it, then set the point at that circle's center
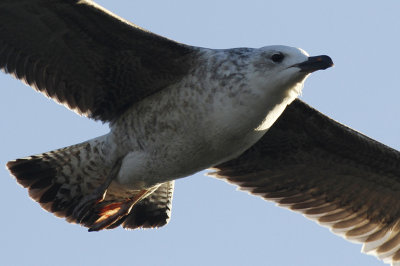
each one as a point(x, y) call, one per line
point(212, 223)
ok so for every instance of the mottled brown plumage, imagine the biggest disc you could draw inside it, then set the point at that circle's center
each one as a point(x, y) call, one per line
point(60, 195)
point(175, 109)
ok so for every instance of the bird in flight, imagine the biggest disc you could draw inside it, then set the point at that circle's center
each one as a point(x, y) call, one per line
point(175, 109)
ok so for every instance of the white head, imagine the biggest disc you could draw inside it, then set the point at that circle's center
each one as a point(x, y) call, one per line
point(253, 85)
point(276, 75)
point(283, 67)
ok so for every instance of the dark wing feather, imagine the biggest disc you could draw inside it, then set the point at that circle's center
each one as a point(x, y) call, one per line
point(329, 172)
point(152, 211)
point(84, 57)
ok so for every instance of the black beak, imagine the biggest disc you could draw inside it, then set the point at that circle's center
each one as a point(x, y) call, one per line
point(315, 63)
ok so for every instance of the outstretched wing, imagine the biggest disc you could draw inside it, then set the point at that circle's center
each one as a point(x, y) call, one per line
point(85, 57)
point(332, 174)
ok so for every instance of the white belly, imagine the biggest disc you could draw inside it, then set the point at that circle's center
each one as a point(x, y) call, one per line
point(163, 146)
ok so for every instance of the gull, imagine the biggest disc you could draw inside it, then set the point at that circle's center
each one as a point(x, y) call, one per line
point(174, 110)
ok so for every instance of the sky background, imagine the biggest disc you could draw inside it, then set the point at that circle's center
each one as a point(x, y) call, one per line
point(212, 223)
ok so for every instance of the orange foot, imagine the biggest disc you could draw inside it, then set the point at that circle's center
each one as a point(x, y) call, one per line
point(113, 212)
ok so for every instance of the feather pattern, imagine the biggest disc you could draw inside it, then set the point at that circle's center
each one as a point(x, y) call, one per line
point(330, 173)
point(85, 57)
point(58, 180)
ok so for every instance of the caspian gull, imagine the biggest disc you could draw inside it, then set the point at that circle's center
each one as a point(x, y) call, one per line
point(148, 87)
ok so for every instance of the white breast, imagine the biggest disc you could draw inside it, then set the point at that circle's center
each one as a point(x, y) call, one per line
point(195, 124)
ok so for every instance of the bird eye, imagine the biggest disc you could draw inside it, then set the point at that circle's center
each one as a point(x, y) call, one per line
point(277, 58)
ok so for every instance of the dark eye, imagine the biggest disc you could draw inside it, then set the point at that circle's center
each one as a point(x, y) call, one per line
point(277, 58)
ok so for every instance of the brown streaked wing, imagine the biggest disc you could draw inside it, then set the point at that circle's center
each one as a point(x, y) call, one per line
point(85, 57)
point(332, 174)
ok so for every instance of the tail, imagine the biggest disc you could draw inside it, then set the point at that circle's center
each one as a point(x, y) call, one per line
point(59, 179)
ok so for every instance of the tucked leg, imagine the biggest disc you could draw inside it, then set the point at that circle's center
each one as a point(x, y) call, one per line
point(97, 195)
point(113, 212)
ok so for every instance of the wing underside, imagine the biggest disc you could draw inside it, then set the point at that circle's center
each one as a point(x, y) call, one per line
point(85, 57)
point(328, 172)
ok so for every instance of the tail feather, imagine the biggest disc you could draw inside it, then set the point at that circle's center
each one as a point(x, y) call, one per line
point(32, 171)
point(59, 179)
